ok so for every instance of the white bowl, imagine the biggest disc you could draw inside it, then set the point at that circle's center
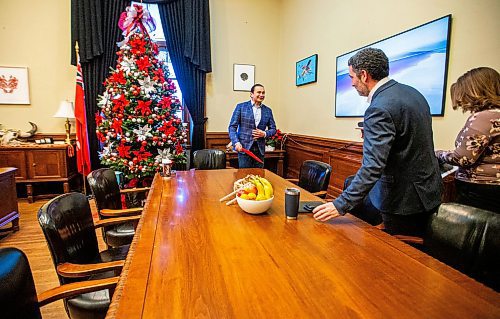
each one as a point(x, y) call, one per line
point(254, 206)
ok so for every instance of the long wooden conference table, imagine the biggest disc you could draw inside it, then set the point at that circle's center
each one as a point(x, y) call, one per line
point(194, 257)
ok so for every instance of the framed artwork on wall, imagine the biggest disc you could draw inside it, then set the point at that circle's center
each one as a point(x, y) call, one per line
point(243, 77)
point(14, 86)
point(306, 70)
point(418, 57)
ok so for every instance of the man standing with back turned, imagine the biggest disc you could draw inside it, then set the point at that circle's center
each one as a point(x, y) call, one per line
point(250, 124)
point(399, 173)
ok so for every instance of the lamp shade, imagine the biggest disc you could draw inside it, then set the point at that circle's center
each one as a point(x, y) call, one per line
point(66, 110)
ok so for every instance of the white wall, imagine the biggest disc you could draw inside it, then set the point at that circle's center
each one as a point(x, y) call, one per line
point(243, 32)
point(273, 35)
point(36, 34)
point(333, 27)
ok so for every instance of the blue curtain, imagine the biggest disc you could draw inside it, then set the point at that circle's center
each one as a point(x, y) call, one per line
point(94, 24)
point(187, 34)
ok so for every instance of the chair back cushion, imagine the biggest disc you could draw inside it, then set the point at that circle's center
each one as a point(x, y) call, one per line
point(17, 290)
point(209, 159)
point(467, 239)
point(105, 189)
point(453, 236)
point(486, 267)
point(314, 176)
point(68, 227)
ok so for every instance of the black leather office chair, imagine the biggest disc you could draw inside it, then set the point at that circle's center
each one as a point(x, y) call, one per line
point(18, 297)
point(69, 229)
point(486, 267)
point(107, 195)
point(465, 238)
point(314, 176)
point(209, 159)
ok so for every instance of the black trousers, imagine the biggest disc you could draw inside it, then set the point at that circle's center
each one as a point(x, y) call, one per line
point(484, 196)
point(411, 225)
point(394, 224)
point(245, 161)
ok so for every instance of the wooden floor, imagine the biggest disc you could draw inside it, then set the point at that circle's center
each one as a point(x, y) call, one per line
point(30, 239)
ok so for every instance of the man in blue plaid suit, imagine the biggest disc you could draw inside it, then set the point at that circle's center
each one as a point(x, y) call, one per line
point(250, 124)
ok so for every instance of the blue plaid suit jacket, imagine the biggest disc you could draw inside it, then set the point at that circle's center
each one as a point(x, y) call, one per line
point(242, 123)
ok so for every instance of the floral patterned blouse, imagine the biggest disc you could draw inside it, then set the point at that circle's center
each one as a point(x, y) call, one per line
point(477, 152)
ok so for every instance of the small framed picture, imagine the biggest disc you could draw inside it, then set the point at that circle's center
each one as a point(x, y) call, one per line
point(306, 70)
point(14, 86)
point(243, 77)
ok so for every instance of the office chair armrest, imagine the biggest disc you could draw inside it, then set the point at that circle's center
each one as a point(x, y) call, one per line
point(135, 190)
point(115, 221)
point(75, 289)
point(70, 270)
point(320, 193)
point(121, 212)
point(411, 239)
point(293, 180)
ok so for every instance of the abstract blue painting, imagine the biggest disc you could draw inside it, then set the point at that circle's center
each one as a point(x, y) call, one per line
point(306, 70)
point(417, 57)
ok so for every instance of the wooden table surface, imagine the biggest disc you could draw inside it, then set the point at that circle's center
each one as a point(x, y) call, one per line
point(194, 257)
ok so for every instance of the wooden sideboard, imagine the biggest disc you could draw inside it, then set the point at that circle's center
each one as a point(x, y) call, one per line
point(9, 212)
point(39, 163)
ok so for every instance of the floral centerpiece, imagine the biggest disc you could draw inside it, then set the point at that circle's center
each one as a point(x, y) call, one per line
point(274, 141)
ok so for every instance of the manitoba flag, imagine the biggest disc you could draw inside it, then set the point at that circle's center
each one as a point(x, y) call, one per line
point(82, 141)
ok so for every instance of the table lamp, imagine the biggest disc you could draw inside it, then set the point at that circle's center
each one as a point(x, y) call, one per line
point(66, 110)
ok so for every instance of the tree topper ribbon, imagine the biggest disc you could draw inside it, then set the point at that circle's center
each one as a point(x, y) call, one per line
point(135, 17)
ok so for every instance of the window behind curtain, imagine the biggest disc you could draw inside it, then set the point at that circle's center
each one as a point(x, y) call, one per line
point(159, 38)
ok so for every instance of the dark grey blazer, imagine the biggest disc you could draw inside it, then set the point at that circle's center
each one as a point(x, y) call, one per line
point(399, 172)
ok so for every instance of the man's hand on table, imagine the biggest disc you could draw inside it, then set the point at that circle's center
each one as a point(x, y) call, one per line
point(325, 212)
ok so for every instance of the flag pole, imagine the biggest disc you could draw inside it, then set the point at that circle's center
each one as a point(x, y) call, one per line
point(77, 50)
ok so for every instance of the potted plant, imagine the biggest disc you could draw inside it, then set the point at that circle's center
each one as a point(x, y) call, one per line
point(274, 141)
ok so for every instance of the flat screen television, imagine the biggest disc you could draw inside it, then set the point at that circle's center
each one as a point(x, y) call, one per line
point(417, 57)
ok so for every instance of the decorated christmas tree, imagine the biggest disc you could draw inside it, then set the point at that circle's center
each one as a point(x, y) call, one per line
point(136, 124)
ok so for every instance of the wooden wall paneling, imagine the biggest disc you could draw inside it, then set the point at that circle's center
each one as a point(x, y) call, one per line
point(217, 140)
point(344, 157)
point(343, 165)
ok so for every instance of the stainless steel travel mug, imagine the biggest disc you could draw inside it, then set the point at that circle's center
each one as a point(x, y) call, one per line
point(292, 198)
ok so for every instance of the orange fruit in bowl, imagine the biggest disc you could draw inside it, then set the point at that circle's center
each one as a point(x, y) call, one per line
point(244, 196)
point(251, 189)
